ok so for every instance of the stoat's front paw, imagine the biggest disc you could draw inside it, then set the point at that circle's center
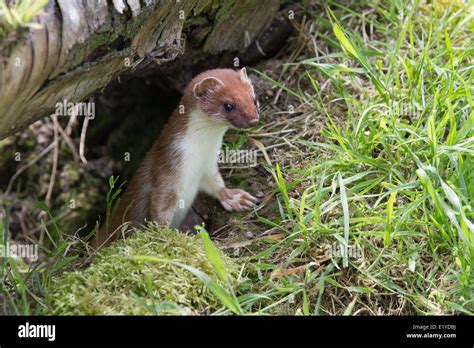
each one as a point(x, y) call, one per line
point(236, 200)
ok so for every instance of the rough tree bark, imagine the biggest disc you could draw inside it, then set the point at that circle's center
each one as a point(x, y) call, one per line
point(86, 44)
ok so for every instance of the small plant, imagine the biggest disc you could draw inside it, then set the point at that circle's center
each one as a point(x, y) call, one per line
point(112, 201)
point(19, 14)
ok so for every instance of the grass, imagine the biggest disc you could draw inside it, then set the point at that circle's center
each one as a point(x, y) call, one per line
point(370, 209)
point(22, 287)
point(393, 176)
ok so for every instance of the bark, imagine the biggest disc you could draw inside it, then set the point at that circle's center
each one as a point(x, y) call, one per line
point(84, 45)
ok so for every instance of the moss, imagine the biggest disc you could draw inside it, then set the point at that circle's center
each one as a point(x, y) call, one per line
point(199, 20)
point(114, 280)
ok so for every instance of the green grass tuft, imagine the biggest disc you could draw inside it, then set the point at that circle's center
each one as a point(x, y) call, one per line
point(391, 176)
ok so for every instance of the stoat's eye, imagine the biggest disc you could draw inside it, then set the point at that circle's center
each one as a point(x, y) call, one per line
point(229, 107)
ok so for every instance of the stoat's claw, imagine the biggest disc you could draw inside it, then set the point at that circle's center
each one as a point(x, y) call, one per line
point(237, 200)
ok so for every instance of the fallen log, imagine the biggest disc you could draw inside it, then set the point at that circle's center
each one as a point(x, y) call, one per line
point(81, 46)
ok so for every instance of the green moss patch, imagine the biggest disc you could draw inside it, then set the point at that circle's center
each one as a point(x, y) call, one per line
point(117, 284)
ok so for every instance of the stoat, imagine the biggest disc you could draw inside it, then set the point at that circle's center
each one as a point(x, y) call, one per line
point(183, 160)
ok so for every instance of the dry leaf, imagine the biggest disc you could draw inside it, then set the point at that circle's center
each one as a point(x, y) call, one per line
point(290, 271)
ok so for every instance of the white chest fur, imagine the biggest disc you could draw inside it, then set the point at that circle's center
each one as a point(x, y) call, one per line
point(199, 148)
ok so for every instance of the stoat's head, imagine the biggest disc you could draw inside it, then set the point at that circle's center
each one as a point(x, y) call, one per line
point(227, 96)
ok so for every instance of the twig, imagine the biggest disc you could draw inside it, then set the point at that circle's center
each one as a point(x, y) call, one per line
point(71, 122)
point(272, 134)
point(83, 139)
point(55, 161)
point(67, 139)
point(26, 166)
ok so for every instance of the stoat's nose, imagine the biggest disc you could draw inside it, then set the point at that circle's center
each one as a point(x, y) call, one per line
point(253, 122)
point(244, 121)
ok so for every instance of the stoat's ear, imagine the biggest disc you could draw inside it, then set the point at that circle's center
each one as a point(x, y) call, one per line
point(206, 86)
point(243, 75)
